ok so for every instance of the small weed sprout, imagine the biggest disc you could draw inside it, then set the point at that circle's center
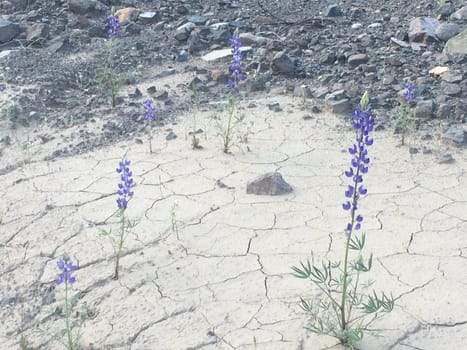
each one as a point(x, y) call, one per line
point(72, 330)
point(124, 194)
point(195, 141)
point(348, 307)
point(149, 120)
point(227, 131)
point(405, 122)
point(173, 218)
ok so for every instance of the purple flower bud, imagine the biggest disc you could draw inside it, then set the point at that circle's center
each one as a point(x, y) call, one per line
point(113, 27)
point(126, 182)
point(236, 64)
point(149, 110)
point(66, 267)
point(409, 93)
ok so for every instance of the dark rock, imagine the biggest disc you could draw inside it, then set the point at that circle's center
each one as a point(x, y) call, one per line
point(148, 17)
point(161, 95)
point(357, 59)
point(270, 184)
point(183, 32)
point(282, 63)
point(444, 111)
point(8, 31)
point(170, 136)
point(182, 56)
point(194, 43)
point(446, 9)
point(424, 109)
point(251, 39)
point(327, 58)
point(459, 14)
point(451, 89)
point(341, 106)
point(135, 93)
point(81, 7)
point(423, 30)
point(451, 77)
point(455, 135)
point(274, 106)
point(197, 19)
point(446, 31)
point(333, 11)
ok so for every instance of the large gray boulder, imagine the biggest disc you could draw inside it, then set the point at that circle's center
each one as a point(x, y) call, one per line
point(8, 31)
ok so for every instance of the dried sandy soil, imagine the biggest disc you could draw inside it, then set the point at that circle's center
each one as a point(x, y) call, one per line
point(220, 277)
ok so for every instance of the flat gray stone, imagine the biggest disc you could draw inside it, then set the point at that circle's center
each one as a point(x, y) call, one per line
point(282, 63)
point(455, 135)
point(8, 31)
point(270, 184)
point(457, 44)
point(446, 31)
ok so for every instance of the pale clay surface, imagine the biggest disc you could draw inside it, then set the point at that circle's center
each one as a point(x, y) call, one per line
point(223, 276)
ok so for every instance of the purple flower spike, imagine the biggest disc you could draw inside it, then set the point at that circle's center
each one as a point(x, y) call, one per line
point(409, 93)
point(363, 124)
point(113, 27)
point(66, 267)
point(126, 183)
point(149, 110)
point(236, 65)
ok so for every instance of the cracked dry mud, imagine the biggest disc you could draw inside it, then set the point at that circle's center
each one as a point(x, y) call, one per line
point(221, 277)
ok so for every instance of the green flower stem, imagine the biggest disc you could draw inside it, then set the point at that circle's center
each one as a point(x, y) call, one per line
point(121, 238)
point(229, 125)
point(67, 318)
point(346, 256)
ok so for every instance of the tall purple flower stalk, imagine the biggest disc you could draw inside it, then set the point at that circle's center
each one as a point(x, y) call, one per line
point(113, 27)
point(66, 268)
point(363, 125)
point(236, 65)
point(149, 110)
point(409, 93)
point(124, 191)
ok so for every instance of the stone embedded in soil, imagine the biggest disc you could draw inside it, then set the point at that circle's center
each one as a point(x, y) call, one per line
point(282, 63)
point(270, 184)
point(81, 6)
point(457, 44)
point(455, 135)
point(357, 59)
point(8, 31)
point(451, 89)
point(446, 31)
point(333, 11)
point(423, 30)
point(148, 17)
point(251, 39)
point(183, 32)
point(424, 109)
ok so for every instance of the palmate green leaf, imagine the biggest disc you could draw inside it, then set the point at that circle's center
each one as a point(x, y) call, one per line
point(304, 272)
point(312, 272)
point(375, 304)
point(359, 265)
point(306, 305)
point(357, 243)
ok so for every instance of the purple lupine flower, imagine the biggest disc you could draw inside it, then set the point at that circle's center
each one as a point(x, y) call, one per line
point(66, 267)
point(363, 124)
point(113, 27)
point(149, 110)
point(236, 65)
point(409, 92)
point(126, 183)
